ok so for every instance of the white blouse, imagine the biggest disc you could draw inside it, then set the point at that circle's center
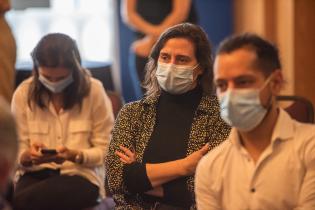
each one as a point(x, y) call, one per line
point(87, 130)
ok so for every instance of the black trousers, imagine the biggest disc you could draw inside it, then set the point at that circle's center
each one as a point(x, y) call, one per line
point(48, 190)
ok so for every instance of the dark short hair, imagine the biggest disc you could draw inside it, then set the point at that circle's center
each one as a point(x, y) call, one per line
point(58, 50)
point(203, 55)
point(267, 53)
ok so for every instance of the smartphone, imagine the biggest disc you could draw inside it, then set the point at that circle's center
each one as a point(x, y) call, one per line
point(48, 151)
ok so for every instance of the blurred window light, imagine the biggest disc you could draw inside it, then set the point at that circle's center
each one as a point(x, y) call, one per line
point(89, 22)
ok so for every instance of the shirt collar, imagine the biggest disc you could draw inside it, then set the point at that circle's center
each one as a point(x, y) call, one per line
point(284, 128)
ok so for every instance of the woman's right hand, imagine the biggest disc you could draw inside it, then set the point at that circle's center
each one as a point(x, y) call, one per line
point(29, 156)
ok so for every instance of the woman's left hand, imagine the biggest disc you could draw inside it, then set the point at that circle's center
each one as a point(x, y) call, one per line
point(127, 156)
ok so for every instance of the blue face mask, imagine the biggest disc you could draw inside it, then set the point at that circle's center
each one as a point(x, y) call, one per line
point(175, 79)
point(242, 109)
point(56, 87)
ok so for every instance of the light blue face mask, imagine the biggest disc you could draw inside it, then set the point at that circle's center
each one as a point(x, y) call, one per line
point(56, 87)
point(175, 79)
point(242, 109)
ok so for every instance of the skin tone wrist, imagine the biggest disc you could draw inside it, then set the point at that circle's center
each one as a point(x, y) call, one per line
point(25, 159)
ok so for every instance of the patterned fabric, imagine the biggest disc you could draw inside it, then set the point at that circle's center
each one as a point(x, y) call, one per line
point(133, 128)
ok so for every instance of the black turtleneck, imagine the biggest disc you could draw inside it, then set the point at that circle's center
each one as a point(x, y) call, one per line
point(173, 123)
point(169, 139)
point(168, 142)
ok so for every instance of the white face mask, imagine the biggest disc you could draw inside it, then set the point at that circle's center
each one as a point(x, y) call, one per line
point(175, 79)
point(242, 109)
point(56, 87)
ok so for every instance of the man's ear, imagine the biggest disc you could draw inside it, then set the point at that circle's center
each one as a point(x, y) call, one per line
point(277, 82)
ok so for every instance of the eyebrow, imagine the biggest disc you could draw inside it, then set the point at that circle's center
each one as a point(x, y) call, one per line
point(183, 56)
point(247, 76)
point(164, 53)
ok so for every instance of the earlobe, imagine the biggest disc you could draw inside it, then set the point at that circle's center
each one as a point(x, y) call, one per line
point(277, 82)
point(199, 70)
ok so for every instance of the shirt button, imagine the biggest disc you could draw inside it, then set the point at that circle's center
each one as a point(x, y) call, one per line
point(253, 190)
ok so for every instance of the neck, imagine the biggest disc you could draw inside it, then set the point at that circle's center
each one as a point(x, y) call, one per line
point(57, 100)
point(258, 139)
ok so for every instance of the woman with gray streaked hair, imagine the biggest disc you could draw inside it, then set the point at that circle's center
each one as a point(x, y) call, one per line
point(158, 141)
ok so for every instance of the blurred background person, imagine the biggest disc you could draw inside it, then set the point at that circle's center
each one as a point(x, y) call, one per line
point(158, 140)
point(61, 108)
point(8, 149)
point(7, 54)
point(149, 18)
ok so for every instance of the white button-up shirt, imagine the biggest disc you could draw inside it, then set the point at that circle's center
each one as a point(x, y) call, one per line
point(283, 178)
point(87, 130)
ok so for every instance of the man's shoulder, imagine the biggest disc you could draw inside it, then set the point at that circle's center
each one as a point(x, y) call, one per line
point(304, 132)
point(216, 156)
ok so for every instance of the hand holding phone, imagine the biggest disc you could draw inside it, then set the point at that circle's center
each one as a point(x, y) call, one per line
point(45, 151)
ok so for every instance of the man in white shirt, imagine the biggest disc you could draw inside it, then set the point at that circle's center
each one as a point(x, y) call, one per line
point(268, 161)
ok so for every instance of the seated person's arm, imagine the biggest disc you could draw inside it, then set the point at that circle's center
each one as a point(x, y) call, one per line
point(102, 124)
point(158, 173)
point(18, 108)
point(124, 133)
point(206, 199)
point(307, 192)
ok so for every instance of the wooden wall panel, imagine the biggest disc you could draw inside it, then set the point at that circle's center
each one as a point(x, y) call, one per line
point(304, 43)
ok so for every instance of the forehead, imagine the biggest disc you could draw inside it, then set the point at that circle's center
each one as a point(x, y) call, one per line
point(182, 46)
point(237, 63)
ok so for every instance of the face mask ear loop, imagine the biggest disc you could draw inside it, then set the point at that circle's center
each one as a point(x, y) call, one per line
point(195, 66)
point(270, 97)
point(198, 77)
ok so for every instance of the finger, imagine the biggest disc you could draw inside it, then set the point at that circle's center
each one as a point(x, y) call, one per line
point(205, 149)
point(124, 161)
point(38, 145)
point(127, 151)
point(35, 153)
point(122, 155)
point(61, 149)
